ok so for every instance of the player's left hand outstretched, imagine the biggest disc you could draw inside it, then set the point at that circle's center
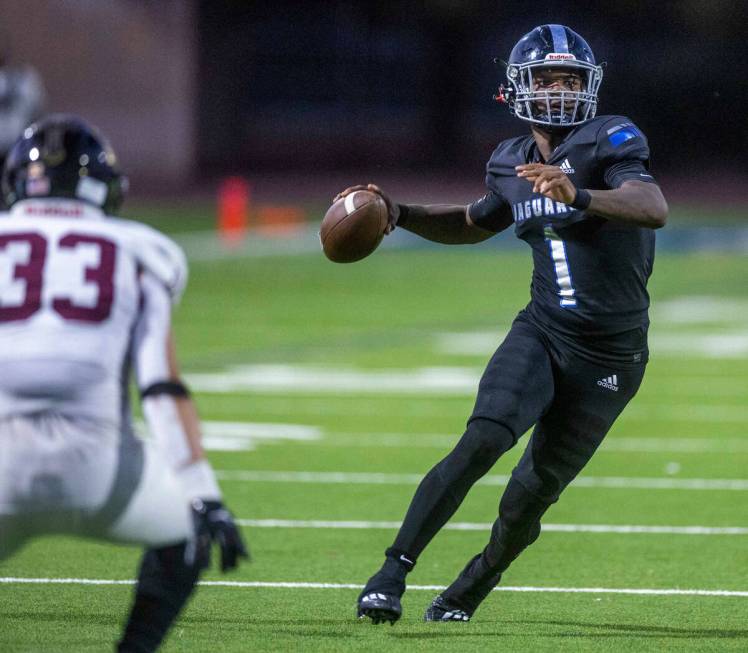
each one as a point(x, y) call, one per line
point(550, 181)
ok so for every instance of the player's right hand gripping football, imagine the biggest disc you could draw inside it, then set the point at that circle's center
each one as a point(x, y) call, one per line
point(393, 211)
point(221, 528)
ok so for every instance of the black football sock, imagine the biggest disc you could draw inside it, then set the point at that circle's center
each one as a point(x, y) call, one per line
point(443, 489)
point(165, 582)
point(390, 579)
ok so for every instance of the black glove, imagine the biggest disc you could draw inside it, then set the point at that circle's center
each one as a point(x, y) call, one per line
point(219, 524)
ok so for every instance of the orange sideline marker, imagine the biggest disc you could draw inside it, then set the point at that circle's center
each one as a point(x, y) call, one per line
point(233, 210)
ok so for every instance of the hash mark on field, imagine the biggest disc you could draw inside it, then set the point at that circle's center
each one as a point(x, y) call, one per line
point(380, 478)
point(356, 586)
point(474, 526)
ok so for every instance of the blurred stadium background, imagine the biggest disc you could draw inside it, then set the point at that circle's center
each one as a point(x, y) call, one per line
point(313, 92)
point(327, 390)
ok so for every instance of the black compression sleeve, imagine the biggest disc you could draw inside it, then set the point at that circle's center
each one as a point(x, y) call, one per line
point(408, 212)
point(491, 212)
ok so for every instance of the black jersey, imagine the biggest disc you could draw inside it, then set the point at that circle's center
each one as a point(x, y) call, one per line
point(590, 274)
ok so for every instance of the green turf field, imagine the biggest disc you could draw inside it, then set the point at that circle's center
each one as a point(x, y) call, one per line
point(349, 382)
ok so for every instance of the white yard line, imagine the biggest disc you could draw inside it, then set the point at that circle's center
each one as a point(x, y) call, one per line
point(473, 526)
point(234, 436)
point(245, 436)
point(612, 443)
point(381, 478)
point(702, 344)
point(207, 245)
point(357, 586)
point(347, 380)
point(451, 381)
point(709, 413)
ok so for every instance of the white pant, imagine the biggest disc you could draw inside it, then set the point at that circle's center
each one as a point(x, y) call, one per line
point(61, 474)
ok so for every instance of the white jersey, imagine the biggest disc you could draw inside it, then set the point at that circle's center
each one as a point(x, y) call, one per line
point(72, 287)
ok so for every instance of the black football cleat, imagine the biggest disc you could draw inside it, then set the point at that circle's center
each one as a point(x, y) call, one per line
point(380, 598)
point(440, 610)
point(379, 607)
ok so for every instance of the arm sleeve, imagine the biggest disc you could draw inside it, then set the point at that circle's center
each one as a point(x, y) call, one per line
point(161, 413)
point(151, 363)
point(151, 358)
point(491, 212)
point(624, 150)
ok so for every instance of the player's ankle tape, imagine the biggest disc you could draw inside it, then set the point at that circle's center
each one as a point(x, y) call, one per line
point(402, 557)
point(582, 200)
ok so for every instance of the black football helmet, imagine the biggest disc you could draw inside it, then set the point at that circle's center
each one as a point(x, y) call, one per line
point(63, 156)
point(551, 46)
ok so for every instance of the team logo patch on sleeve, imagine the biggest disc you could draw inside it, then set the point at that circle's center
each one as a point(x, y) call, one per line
point(621, 133)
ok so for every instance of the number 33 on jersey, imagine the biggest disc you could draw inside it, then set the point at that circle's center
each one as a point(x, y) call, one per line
point(70, 289)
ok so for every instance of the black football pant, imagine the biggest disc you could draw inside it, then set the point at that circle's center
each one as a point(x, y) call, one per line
point(530, 380)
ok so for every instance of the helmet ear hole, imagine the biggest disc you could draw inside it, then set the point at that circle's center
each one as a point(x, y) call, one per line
point(62, 156)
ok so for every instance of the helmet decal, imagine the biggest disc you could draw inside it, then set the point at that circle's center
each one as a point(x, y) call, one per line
point(560, 42)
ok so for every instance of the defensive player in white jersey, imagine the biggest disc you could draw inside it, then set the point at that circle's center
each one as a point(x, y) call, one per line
point(84, 298)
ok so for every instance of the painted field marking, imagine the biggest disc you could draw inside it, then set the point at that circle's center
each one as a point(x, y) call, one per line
point(473, 526)
point(325, 380)
point(710, 413)
point(382, 478)
point(701, 344)
point(207, 246)
point(357, 586)
point(245, 436)
point(612, 443)
point(425, 381)
point(701, 309)
point(236, 436)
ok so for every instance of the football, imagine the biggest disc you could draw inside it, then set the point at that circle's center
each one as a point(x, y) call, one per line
point(353, 226)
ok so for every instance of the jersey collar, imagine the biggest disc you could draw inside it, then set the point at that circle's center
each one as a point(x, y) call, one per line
point(55, 208)
point(579, 134)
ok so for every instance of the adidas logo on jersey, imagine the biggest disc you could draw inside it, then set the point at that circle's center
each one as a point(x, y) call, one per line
point(567, 168)
point(611, 383)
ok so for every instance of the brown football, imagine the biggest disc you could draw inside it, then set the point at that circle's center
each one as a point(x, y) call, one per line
point(353, 226)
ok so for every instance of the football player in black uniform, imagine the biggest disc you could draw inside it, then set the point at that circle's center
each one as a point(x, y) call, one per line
point(579, 192)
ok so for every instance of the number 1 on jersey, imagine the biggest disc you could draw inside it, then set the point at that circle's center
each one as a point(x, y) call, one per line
point(561, 265)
